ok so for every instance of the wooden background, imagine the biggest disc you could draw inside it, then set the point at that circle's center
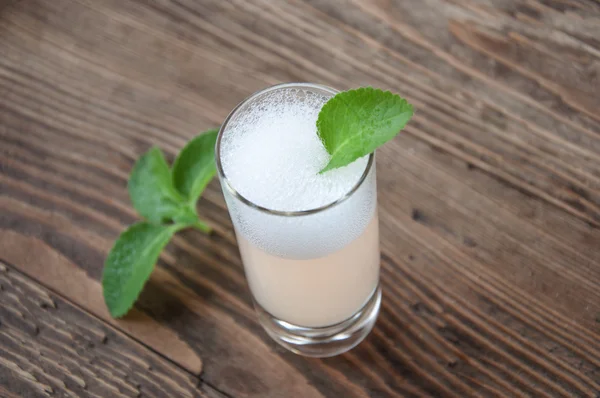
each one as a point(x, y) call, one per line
point(489, 201)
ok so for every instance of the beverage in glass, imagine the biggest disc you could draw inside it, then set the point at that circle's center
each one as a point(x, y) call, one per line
point(309, 241)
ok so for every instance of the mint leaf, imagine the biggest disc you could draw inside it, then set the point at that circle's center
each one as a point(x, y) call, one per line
point(354, 123)
point(192, 171)
point(195, 166)
point(151, 189)
point(130, 263)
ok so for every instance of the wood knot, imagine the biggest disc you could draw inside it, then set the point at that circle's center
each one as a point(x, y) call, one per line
point(420, 308)
point(469, 242)
point(418, 215)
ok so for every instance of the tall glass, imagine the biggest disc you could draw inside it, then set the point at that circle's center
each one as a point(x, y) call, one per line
point(313, 274)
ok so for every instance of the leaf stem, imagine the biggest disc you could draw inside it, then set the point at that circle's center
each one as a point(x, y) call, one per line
point(202, 226)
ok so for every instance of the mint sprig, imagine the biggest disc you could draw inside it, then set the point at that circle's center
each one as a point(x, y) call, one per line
point(167, 200)
point(151, 189)
point(354, 123)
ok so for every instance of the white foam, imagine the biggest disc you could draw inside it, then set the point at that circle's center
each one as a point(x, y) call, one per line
point(271, 155)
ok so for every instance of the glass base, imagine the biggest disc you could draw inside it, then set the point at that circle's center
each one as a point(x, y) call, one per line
point(323, 341)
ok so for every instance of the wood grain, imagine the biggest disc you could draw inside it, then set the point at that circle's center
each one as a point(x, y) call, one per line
point(59, 274)
point(489, 202)
point(50, 348)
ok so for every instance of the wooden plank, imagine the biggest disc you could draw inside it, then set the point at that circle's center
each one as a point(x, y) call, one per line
point(61, 275)
point(49, 347)
point(489, 204)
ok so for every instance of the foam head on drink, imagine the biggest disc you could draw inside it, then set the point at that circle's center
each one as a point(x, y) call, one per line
point(312, 270)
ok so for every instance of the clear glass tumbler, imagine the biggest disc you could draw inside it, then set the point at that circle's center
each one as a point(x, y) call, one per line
point(313, 274)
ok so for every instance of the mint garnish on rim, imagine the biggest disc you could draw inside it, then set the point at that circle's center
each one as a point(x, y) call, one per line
point(354, 123)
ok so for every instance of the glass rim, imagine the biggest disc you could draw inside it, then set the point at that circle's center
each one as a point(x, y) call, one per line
point(293, 213)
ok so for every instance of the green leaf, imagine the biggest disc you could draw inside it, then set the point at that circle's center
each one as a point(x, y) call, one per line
point(189, 216)
point(130, 263)
point(354, 123)
point(195, 166)
point(151, 189)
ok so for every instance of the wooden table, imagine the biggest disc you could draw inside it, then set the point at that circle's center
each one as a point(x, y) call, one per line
point(489, 201)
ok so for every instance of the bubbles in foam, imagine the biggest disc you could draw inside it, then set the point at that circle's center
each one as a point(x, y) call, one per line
point(272, 155)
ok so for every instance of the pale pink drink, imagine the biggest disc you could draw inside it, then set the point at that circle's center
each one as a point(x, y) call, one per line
point(309, 242)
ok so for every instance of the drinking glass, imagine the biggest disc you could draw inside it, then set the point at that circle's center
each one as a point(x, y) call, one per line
point(313, 274)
